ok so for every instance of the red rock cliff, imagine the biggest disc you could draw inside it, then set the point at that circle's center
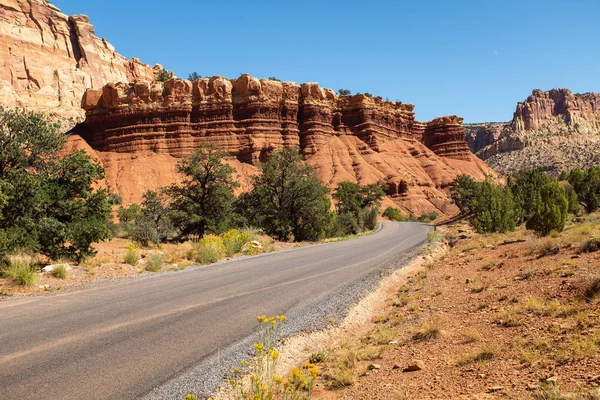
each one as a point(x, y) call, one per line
point(355, 138)
point(48, 59)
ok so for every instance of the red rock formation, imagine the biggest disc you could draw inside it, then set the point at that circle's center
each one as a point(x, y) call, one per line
point(445, 136)
point(49, 59)
point(355, 138)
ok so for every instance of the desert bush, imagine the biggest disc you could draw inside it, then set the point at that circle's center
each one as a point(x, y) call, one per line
point(485, 353)
point(210, 249)
point(234, 241)
point(132, 255)
point(428, 217)
point(428, 331)
point(20, 269)
point(343, 225)
point(393, 214)
point(155, 263)
point(144, 232)
point(340, 371)
point(591, 245)
point(59, 271)
point(369, 217)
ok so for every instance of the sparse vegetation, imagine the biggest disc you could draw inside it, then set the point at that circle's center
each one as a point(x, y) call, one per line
point(393, 214)
point(59, 271)
point(132, 255)
point(163, 76)
point(428, 331)
point(155, 263)
point(210, 249)
point(20, 269)
point(485, 353)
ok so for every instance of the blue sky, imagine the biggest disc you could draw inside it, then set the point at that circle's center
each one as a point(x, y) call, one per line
point(475, 59)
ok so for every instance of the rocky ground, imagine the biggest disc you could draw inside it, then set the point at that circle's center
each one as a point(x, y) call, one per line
point(510, 316)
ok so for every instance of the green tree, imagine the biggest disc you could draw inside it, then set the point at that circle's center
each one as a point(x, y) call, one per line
point(493, 208)
point(359, 202)
point(463, 193)
point(194, 76)
point(344, 92)
point(204, 200)
point(552, 209)
point(49, 204)
point(127, 217)
point(287, 200)
point(153, 224)
point(587, 186)
point(272, 78)
point(163, 76)
point(526, 188)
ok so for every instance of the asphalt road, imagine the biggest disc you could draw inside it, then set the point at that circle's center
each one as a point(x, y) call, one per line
point(121, 341)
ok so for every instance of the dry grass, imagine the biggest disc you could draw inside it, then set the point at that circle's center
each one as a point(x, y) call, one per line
point(382, 335)
point(59, 271)
point(340, 369)
point(485, 353)
point(428, 331)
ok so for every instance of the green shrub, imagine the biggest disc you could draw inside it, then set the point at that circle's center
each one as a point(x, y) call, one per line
point(343, 225)
point(59, 271)
point(369, 217)
point(155, 263)
point(428, 217)
point(393, 214)
point(234, 241)
point(143, 232)
point(132, 255)
point(163, 76)
point(210, 249)
point(20, 269)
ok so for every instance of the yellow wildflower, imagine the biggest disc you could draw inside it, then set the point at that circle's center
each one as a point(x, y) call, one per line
point(281, 318)
point(296, 373)
point(259, 347)
point(274, 354)
point(277, 379)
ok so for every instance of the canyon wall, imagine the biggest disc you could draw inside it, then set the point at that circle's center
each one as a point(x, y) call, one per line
point(48, 59)
point(356, 138)
point(554, 130)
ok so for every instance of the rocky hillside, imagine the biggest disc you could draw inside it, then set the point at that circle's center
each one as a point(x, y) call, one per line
point(555, 130)
point(48, 59)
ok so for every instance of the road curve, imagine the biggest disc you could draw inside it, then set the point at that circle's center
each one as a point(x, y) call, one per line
point(121, 341)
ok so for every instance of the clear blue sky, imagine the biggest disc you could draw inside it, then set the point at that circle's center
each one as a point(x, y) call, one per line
point(474, 58)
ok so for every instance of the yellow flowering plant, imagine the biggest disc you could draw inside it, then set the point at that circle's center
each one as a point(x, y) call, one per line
point(262, 383)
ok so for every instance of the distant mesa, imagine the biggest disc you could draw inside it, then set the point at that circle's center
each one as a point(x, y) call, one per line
point(554, 130)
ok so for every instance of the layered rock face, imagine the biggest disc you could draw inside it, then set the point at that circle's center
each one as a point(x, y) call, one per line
point(246, 117)
point(445, 136)
point(356, 138)
point(48, 59)
point(555, 130)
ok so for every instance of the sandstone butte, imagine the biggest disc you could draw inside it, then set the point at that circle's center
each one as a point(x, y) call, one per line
point(555, 130)
point(48, 59)
point(138, 129)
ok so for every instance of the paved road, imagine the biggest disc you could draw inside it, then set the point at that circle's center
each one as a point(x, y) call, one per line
point(119, 342)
